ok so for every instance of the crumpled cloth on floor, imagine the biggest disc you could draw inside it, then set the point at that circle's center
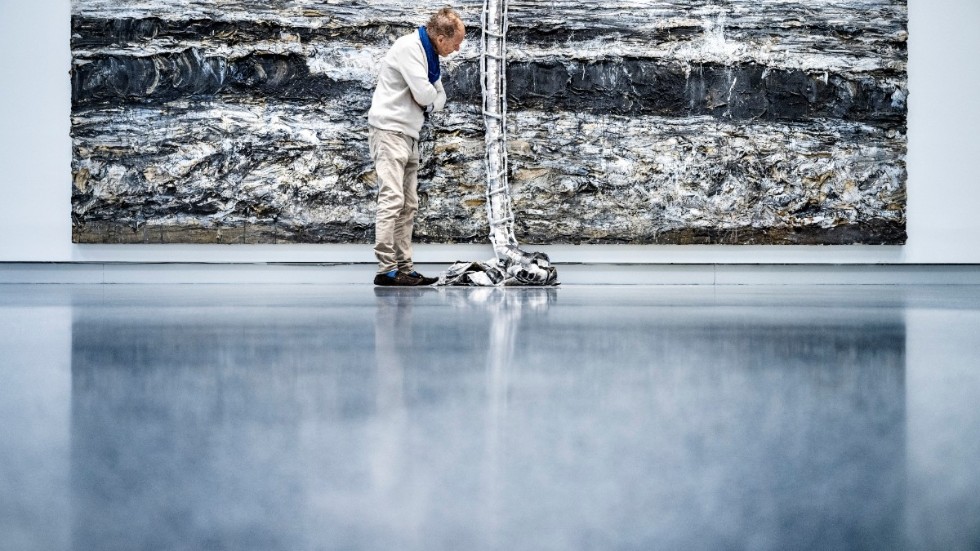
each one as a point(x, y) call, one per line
point(537, 271)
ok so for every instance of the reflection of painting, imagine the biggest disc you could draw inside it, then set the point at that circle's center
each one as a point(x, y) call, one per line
point(309, 420)
point(677, 121)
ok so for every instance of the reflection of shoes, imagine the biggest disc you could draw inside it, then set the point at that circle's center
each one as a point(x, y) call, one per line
point(396, 278)
point(422, 279)
point(399, 295)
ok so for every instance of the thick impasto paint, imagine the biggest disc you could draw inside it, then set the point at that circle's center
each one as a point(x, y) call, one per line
point(669, 121)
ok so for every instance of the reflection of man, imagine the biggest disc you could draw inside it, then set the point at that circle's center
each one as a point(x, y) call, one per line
point(408, 87)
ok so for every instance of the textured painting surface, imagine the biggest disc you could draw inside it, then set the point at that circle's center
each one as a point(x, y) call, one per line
point(631, 121)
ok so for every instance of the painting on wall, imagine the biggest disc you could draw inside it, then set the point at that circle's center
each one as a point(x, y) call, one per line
point(630, 121)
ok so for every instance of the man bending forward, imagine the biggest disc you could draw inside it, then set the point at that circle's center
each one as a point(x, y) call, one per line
point(409, 86)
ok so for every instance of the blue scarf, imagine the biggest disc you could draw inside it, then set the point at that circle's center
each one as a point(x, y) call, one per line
point(430, 56)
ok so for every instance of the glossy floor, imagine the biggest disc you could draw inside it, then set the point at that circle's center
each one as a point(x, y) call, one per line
point(620, 417)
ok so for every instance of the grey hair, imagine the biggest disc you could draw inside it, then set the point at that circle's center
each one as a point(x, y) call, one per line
point(444, 23)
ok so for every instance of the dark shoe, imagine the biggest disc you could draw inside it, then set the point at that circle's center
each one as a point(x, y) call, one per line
point(399, 279)
point(421, 278)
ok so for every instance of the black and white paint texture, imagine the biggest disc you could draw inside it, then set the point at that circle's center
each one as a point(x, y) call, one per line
point(630, 121)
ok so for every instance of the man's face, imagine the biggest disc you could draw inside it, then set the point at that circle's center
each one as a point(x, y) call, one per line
point(446, 45)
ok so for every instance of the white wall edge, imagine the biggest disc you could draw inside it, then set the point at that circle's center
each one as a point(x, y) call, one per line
point(439, 253)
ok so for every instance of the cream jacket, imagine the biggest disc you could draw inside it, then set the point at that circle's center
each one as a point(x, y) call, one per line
point(404, 92)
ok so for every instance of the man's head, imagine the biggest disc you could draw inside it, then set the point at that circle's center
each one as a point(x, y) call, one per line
point(446, 31)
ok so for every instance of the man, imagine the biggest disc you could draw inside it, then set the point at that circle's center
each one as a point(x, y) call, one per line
point(409, 86)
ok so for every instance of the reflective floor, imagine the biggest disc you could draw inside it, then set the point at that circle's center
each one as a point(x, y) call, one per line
point(311, 417)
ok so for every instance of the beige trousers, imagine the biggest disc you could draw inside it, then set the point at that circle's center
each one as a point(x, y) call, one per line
point(396, 161)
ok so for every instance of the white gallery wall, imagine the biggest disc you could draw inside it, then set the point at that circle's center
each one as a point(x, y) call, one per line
point(943, 184)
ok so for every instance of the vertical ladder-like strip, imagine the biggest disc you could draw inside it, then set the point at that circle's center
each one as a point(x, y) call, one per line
point(493, 61)
point(525, 268)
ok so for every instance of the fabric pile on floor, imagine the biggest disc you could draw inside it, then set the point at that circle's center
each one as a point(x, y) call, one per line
point(533, 269)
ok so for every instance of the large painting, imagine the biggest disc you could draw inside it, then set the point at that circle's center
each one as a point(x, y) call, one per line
point(630, 121)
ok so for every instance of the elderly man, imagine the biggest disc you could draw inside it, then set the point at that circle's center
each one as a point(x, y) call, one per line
point(408, 87)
